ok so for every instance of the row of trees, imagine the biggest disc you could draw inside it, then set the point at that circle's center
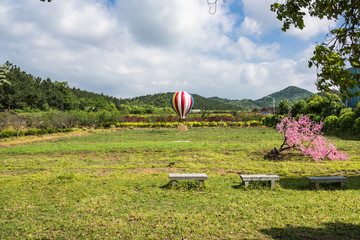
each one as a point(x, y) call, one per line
point(322, 105)
point(327, 108)
point(24, 92)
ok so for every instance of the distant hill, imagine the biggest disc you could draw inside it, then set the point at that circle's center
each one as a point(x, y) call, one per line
point(163, 100)
point(292, 94)
point(23, 91)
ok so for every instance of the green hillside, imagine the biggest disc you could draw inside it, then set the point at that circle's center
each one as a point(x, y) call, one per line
point(23, 91)
point(292, 94)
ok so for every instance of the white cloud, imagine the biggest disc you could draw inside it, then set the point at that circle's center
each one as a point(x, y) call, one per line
point(251, 27)
point(259, 12)
point(143, 47)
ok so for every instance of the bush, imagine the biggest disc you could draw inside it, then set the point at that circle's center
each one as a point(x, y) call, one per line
point(345, 110)
point(317, 118)
point(357, 125)
point(213, 124)
point(253, 123)
point(30, 132)
point(357, 109)
point(8, 133)
point(50, 130)
point(233, 124)
point(347, 120)
point(222, 124)
point(270, 120)
point(331, 122)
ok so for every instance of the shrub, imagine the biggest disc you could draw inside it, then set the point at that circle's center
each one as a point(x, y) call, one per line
point(347, 120)
point(213, 124)
point(270, 120)
point(8, 133)
point(331, 122)
point(317, 118)
point(30, 132)
point(253, 123)
point(50, 130)
point(357, 109)
point(345, 110)
point(233, 124)
point(357, 125)
point(222, 124)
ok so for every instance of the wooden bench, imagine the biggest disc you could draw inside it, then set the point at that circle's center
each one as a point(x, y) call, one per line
point(317, 180)
point(247, 178)
point(174, 177)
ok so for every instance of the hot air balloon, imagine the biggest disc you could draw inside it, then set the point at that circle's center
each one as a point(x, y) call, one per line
point(182, 102)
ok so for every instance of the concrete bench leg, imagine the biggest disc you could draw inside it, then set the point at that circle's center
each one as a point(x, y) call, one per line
point(246, 184)
point(342, 184)
point(272, 184)
point(201, 183)
point(173, 183)
point(317, 185)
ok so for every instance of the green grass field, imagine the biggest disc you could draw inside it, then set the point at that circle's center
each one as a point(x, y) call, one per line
point(114, 185)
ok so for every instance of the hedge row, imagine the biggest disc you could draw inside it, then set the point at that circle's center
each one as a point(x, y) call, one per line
point(190, 124)
point(29, 132)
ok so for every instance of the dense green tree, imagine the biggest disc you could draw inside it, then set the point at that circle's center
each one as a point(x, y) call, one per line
point(347, 120)
point(331, 122)
point(357, 109)
point(357, 125)
point(345, 110)
point(315, 104)
point(341, 47)
point(332, 105)
point(284, 107)
point(298, 108)
point(3, 71)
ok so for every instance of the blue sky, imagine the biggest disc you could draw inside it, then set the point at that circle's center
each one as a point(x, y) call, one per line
point(138, 47)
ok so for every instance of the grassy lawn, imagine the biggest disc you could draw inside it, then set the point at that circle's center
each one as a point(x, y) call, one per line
point(114, 184)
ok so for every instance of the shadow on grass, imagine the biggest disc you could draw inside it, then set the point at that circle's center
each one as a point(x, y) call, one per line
point(302, 183)
point(183, 185)
point(254, 185)
point(329, 231)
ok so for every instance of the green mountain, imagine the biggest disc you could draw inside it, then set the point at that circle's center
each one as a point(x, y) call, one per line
point(292, 94)
point(23, 91)
point(163, 100)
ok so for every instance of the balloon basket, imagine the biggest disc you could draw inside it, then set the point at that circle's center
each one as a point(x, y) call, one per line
point(182, 128)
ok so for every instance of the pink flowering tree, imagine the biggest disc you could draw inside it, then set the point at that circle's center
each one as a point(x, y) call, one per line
point(305, 136)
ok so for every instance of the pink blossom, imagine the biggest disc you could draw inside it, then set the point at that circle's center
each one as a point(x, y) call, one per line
point(306, 136)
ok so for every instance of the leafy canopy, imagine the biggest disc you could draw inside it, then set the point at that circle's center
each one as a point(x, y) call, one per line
point(341, 48)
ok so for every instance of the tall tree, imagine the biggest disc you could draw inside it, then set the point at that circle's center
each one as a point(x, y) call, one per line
point(342, 46)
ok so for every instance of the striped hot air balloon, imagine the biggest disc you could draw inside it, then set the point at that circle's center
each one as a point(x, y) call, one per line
point(182, 102)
